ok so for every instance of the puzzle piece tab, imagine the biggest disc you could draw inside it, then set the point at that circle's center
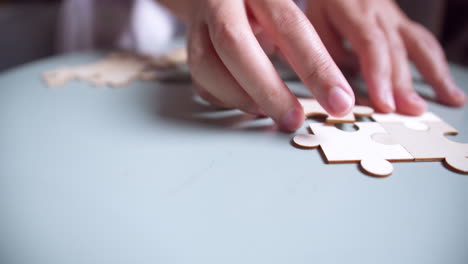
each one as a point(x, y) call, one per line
point(427, 145)
point(357, 146)
point(313, 108)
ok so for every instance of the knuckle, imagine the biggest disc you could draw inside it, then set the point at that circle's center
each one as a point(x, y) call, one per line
point(271, 98)
point(267, 98)
point(320, 69)
point(289, 21)
point(432, 44)
point(397, 49)
point(426, 37)
point(228, 35)
point(402, 80)
point(369, 38)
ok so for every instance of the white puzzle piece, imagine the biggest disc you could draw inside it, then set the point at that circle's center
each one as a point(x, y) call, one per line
point(313, 108)
point(428, 145)
point(413, 122)
point(357, 146)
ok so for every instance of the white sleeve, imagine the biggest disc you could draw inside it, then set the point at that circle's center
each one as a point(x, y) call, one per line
point(151, 28)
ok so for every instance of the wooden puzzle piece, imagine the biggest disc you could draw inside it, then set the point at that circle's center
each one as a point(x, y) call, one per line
point(120, 72)
point(313, 108)
point(427, 145)
point(58, 77)
point(357, 146)
point(412, 122)
point(118, 69)
point(115, 70)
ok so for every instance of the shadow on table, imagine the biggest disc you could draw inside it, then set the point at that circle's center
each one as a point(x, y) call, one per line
point(177, 102)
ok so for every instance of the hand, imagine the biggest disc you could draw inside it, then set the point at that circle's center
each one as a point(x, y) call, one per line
point(230, 69)
point(383, 39)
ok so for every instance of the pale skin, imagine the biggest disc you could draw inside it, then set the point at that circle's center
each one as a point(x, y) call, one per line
point(229, 40)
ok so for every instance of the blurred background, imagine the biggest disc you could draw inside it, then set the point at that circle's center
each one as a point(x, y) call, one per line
point(29, 28)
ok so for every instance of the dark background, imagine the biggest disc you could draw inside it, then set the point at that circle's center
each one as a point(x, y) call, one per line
point(28, 28)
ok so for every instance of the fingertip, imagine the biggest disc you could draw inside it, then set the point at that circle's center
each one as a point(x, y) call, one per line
point(412, 105)
point(292, 120)
point(384, 108)
point(340, 101)
point(385, 102)
point(451, 95)
point(458, 96)
point(389, 101)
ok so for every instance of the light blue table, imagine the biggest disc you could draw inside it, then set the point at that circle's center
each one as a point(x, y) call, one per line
point(145, 174)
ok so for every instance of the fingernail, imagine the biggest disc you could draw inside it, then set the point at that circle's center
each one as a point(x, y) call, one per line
point(292, 120)
point(416, 99)
point(418, 103)
point(389, 101)
point(456, 92)
point(340, 101)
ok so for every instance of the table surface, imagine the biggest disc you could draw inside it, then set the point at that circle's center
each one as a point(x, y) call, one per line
point(146, 174)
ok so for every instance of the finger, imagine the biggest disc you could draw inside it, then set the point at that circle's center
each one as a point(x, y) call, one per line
point(212, 80)
point(369, 42)
point(429, 58)
point(240, 51)
point(303, 49)
point(406, 99)
point(207, 96)
point(330, 38)
point(266, 43)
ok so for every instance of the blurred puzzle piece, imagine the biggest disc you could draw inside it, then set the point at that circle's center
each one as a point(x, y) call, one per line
point(118, 69)
point(115, 70)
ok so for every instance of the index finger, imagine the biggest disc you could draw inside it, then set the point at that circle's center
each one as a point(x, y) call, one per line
point(243, 56)
point(299, 42)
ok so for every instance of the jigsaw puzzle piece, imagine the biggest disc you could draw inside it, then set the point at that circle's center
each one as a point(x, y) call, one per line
point(313, 108)
point(357, 146)
point(377, 166)
point(427, 145)
point(120, 71)
point(117, 69)
point(413, 122)
point(58, 77)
